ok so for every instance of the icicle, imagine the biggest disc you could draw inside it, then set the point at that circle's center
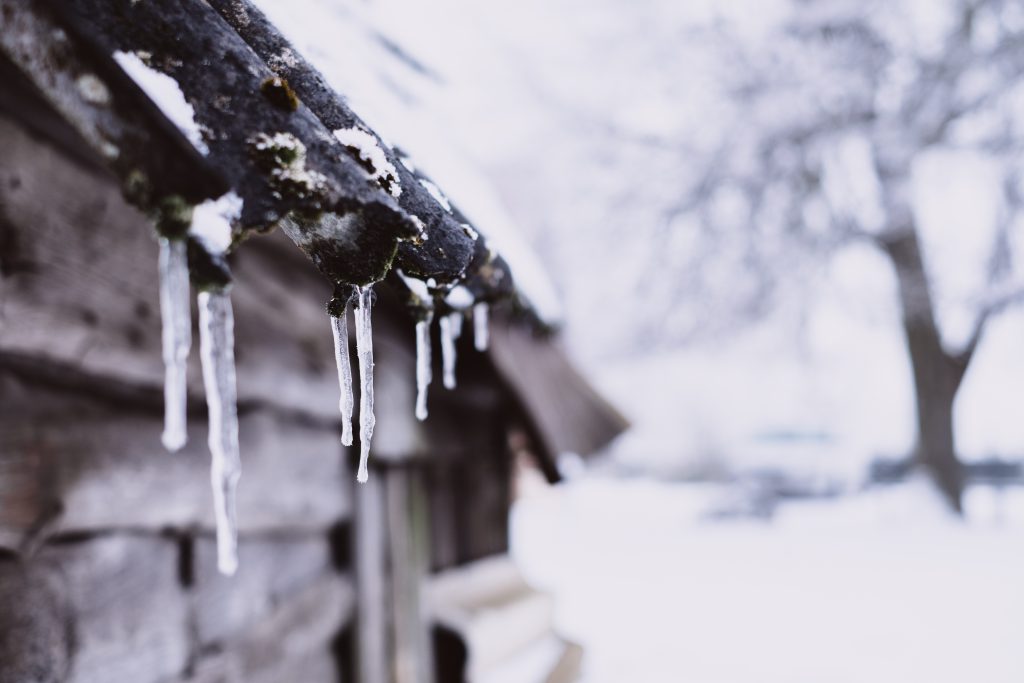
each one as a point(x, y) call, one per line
point(480, 326)
point(217, 351)
point(176, 318)
point(339, 326)
point(423, 370)
point(451, 328)
point(456, 324)
point(364, 349)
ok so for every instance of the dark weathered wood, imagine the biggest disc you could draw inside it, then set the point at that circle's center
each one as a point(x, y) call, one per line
point(35, 638)
point(236, 99)
point(449, 244)
point(117, 120)
point(129, 619)
point(80, 290)
point(73, 465)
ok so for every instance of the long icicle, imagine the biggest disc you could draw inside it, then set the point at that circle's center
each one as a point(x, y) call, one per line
point(423, 365)
point(364, 349)
point(176, 334)
point(217, 351)
point(339, 326)
point(480, 331)
point(451, 328)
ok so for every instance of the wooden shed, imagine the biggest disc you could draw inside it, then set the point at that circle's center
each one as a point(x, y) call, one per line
point(108, 561)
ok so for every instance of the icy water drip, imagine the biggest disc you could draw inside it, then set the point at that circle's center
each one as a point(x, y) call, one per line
point(217, 352)
point(480, 331)
point(423, 362)
point(364, 349)
point(176, 319)
point(339, 326)
point(451, 328)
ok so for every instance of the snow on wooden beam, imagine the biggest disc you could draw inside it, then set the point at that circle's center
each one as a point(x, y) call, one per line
point(277, 156)
point(452, 244)
point(114, 117)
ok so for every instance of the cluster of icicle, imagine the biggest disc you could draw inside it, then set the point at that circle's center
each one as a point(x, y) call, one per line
point(364, 351)
point(451, 330)
point(216, 345)
point(217, 353)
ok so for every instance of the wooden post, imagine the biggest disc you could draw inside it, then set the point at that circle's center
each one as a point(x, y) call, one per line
point(392, 563)
point(370, 568)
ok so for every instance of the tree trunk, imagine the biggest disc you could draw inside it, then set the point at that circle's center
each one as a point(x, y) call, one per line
point(937, 373)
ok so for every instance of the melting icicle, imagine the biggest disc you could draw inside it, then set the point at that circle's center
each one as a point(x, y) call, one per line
point(339, 326)
point(176, 318)
point(217, 351)
point(364, 349)
point(480, 326)
point(451, 328)
point(423, 373)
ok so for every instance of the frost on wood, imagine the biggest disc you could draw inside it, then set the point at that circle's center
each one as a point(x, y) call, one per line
point(451, 328)
point(423, 362)
point(339, 326)
point(480, 338)
point(371, 157)
point(176, 319)
point(212, 219)
point(436, 193)
point(217, 352)
point(364, 349)
point(166, 94)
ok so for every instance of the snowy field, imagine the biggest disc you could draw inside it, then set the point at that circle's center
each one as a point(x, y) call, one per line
point(880, 587)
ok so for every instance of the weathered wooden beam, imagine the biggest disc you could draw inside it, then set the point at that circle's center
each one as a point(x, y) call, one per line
point(122, 126)
point(449, 242)
point(126, 612)
point(563, 412)
point(81, 301)
point(277, 156)
point(455, 250)
point(60, 454)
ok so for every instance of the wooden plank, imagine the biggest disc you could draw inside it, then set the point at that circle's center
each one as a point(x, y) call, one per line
point(75, 465)
point(80, 290)
point(564, 411)
point(270, 570)
point(408, 555)
point(372, 650)
point(129, 609)
point(35, 641)
point(293, 642)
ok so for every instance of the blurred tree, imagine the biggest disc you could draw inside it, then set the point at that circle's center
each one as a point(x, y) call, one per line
point(833, 111)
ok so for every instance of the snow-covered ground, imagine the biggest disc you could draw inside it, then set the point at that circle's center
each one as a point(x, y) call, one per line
point(879, 587)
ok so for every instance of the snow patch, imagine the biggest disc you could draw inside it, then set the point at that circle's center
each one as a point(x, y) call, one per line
point(211, 221)
point(166, 94)
point(436, 193)
point(365, 145)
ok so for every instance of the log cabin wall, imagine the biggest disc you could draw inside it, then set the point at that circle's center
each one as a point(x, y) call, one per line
point(107, 557)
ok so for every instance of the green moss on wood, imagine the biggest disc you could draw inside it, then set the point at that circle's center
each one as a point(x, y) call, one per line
point(279, 93)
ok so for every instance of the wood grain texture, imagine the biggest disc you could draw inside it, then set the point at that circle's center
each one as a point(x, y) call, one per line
point(72, 465)
point(128, 608)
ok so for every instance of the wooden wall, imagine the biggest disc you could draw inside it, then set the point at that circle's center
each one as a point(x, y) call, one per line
point(107, 558)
